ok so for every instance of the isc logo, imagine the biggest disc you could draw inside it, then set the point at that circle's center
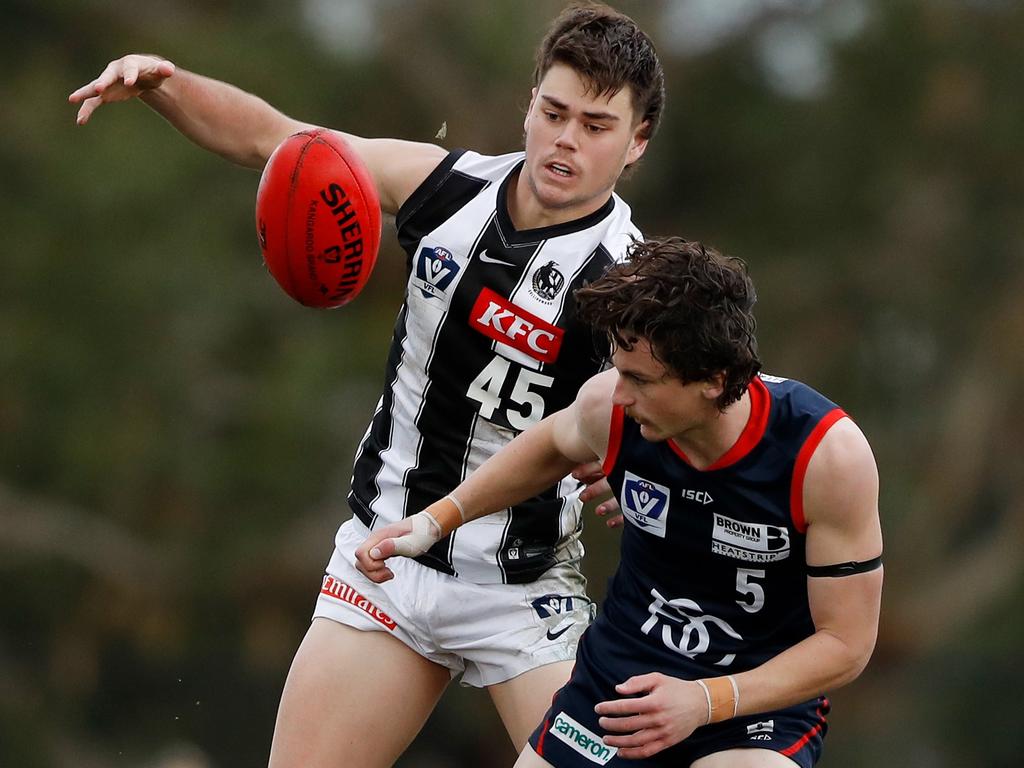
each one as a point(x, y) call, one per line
point(499, 319)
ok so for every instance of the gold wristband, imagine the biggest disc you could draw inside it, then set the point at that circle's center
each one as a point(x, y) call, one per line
point(723, 697)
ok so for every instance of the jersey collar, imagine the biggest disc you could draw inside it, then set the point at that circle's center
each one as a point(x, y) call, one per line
point(757, 423)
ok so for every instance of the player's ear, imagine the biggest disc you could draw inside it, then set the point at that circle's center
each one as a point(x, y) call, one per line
point(529, 110)
point(638, 144)
point(714, 387)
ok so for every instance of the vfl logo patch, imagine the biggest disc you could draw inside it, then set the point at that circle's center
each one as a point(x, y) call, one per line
point(339, 590)
point(547, 282)
point(645, 504)
point(753, 542)
point(555, 610)
point(581, 739)
point(435, 270)
point(499, 319)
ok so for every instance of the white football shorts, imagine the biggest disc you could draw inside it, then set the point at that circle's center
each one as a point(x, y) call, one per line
point(488, 633)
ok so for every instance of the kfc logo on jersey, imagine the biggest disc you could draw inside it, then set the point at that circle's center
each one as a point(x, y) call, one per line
point(435, 270)
point(645, 504)
point(499, 319)
point(753, 542)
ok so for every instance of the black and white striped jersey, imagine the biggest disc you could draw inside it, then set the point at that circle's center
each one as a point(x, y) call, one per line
point(485, 345)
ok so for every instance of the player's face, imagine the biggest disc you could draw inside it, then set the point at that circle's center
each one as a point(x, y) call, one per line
point(662, 404)
point(577, 144)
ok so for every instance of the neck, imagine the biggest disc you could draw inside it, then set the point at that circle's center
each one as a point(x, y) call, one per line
point(528, 212)
point(708, 441)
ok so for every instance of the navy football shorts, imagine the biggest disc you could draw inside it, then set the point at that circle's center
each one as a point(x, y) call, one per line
point(569, 736)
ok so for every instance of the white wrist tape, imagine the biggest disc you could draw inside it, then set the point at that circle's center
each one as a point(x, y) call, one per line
point(707, 695)
point(458, 505)
point(424, 534)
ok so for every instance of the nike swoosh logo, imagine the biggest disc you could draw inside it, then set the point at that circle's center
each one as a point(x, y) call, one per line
point(491, 260)
point(559, 633)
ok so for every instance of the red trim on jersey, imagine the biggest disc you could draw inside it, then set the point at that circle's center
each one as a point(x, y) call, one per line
point(803, 458)
point(614, 439)
point(540, 739)
point(799, 744)
point(757, 423)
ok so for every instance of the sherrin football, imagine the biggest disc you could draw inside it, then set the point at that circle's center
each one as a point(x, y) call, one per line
point(318, 219)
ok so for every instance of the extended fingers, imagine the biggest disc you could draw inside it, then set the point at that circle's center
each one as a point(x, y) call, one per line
point(134, 72)
point(88, 107)
point(130, 72)
point(623, 707)
point(630, 723)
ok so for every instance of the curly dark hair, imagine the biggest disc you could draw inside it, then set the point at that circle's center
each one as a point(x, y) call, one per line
point(691, 303)
point(609, 51)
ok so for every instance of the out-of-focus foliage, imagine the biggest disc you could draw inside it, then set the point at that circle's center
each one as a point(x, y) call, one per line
point(176, 436)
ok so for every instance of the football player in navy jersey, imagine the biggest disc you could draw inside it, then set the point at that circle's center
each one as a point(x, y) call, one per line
point(486, 343)
point(750, 575)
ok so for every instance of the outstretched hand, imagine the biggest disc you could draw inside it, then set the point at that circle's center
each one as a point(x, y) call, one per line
point(597, 486)
point(660, 711)
point(123, 79)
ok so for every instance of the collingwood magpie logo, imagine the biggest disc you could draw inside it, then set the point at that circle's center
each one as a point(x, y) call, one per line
point(548, 282)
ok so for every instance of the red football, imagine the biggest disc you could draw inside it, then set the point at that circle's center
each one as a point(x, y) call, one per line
point(318, 219)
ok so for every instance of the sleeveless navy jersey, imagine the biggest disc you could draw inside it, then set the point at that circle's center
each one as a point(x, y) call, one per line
point(485, 345)
point(712, 577)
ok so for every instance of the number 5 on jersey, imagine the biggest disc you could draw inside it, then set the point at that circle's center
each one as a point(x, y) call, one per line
point(526, 406)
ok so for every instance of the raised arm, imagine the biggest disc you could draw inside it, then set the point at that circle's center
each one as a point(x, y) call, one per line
point(240, 126)
point(537, 459)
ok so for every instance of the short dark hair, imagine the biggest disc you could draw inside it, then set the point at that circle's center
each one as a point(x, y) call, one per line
point(691, 303)
point(609, 51)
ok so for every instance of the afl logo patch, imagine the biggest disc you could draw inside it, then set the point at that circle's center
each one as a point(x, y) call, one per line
point(547, 282)
point(435, 270)
point(645, 504)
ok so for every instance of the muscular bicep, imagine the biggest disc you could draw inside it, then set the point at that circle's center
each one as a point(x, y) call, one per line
point(398, 167)
point(581, 430)
point(841, 508)
point(840, 499)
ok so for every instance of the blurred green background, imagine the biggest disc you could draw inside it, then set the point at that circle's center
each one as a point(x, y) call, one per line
point(176, 436)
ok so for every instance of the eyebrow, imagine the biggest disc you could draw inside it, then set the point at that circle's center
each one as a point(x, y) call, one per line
point(558, 104)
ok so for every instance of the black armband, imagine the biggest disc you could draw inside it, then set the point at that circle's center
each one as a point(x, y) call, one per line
point(845, 569)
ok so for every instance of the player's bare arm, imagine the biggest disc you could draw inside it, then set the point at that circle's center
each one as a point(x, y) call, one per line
point(535, 460)
point(841, 509)
point(843, 535)
point(242, 127)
